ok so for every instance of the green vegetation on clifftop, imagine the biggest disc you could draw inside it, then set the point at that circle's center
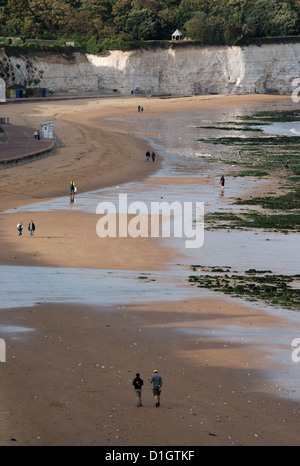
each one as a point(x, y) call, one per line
point(101, 25)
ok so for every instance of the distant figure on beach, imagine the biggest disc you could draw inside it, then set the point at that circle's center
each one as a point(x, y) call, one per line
point(153, 156)
point(239, 154)
point(287, 165)
point(157, 382)
point(35, 135)
point(73, 190)
point(31, 227)
point(20, 227)
point(72, 187)
point(147, 156)
point(139, 108)
point(138, 383)
point(222, 183)
point(142, 109)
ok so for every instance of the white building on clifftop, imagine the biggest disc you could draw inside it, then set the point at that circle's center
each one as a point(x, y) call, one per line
point(177, 35)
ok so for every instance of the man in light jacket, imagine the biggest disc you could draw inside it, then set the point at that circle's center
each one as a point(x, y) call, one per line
point(157, 382)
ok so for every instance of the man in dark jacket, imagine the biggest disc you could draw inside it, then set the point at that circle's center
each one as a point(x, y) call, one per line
point(138, 383)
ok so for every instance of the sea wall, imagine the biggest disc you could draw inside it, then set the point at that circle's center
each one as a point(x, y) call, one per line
point(270, 68)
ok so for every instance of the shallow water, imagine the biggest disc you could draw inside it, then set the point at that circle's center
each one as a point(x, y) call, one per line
point(151, 192)
point(282, 128)
point(88, 286)
point(239, 249)
point(281, 374)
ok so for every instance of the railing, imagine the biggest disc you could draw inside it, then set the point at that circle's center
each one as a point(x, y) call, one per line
point(58, 141)
point(54, 138)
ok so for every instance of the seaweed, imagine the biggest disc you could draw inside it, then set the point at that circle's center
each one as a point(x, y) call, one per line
point(254, 285)
point(260, 152)
point(273, 116)
point(288, 201)
point(254, 173)
point(283, 222)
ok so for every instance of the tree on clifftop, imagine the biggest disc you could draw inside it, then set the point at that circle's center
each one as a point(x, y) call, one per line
point(226, 21)
point(271, 17)
point(96, 9)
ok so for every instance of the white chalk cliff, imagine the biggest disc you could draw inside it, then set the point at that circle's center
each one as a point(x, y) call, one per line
point(176, 71)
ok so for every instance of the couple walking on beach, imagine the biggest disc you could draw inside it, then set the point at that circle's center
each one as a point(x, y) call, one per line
point(148, 156)
point(157, 382)
point(31, 228)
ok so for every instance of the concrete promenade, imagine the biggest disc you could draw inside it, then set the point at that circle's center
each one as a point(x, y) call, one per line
point(18, 146)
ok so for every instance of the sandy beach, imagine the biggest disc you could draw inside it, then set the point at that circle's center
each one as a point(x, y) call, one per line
point(68, 376)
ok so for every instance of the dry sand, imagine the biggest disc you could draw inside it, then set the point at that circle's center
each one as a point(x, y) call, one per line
point(68, 382)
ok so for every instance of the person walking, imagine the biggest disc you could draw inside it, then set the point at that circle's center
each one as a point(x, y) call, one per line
point(138, 383)
point(73, 190)
point(72, 187)
point(153, 156)
point(157, 382)
point(222, 183)
point(20, 227)
point(147, 155)
point(31, 228)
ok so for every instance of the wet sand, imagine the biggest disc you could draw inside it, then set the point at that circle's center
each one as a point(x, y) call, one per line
point(67, 379)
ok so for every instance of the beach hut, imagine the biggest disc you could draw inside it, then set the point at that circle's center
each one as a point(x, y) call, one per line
point(47, 130)
point(177, 35)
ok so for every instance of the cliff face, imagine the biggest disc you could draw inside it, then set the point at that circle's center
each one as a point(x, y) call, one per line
point(57, 72)
point(176, 71)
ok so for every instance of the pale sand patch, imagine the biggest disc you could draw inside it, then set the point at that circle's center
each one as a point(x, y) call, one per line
point(179, 180)
point(70, 239)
